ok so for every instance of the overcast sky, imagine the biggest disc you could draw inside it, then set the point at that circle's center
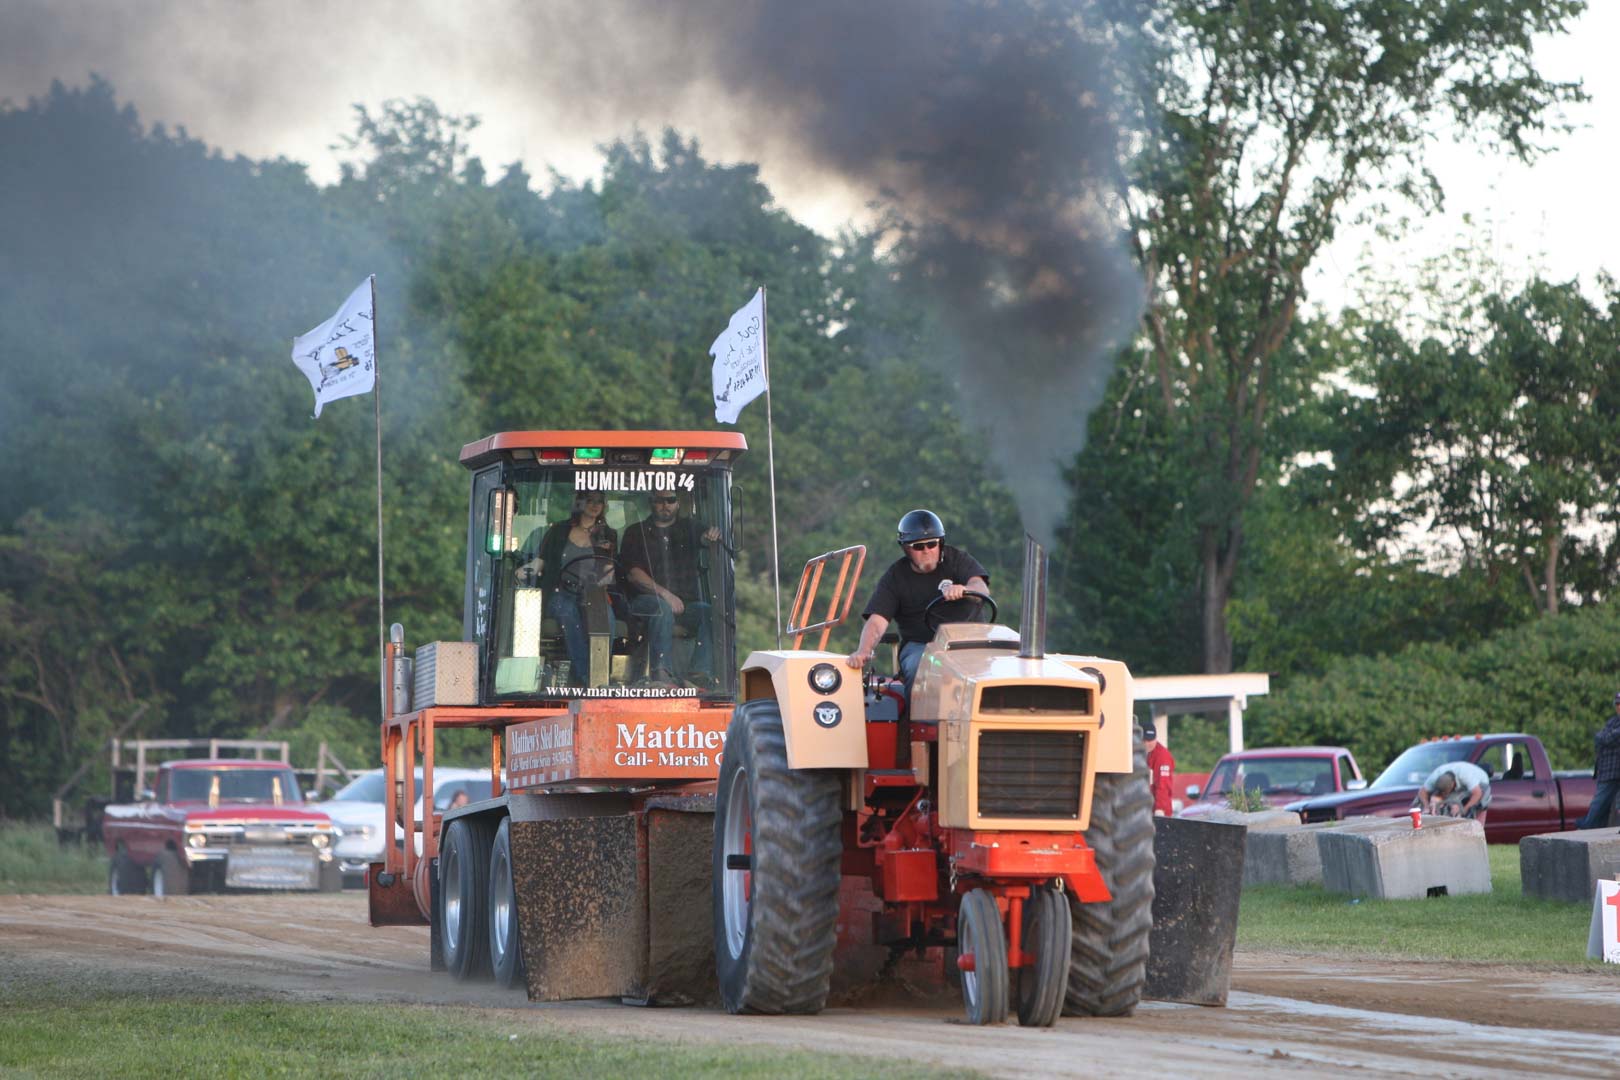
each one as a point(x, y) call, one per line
point(279, 78)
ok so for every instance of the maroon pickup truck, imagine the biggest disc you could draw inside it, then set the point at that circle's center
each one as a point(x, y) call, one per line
point(1527, 797)
point(213, 823)
point(1281, 774)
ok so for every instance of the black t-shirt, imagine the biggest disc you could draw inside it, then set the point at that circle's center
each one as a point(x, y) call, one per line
point(668, 555)
point(902, 594)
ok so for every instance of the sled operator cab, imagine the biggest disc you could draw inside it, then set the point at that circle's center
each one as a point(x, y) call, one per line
point(600, 565)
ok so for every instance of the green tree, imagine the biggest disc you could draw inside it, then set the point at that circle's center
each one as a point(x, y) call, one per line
point(1261, 126)
point(1503, 443)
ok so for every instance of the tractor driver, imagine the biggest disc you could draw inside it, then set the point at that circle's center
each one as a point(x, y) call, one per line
point(928, 568)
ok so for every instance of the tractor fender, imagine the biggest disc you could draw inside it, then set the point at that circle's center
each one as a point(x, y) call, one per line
point(823, 730)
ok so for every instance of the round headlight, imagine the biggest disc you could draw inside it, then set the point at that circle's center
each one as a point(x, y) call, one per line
point(320, 840)
point(825, 679)
point(197, 839)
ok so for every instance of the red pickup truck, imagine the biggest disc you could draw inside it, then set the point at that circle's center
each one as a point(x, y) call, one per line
point(1527, 797)
point(1282, 774)
point(214, 823)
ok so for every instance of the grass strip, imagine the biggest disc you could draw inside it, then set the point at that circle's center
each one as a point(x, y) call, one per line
point(139, 1038)
point(31, 861)
point(1503, 927)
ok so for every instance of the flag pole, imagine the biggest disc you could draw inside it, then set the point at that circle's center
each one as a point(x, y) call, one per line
point(376, 397)
point(770, 455)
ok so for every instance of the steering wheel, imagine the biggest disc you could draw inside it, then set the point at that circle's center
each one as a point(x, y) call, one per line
point(605, 579)
point(936, 615)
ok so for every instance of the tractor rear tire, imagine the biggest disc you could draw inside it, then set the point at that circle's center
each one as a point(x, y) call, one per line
point(463, 882)
point(979, 934)
point(505, 939)
point(124, 878)
point(1108, 960)
point(1048, 936)
point(170, 876)
point(776, 918)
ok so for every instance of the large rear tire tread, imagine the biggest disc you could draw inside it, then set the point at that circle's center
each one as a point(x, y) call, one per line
point(1108, 960)
point(786, 961)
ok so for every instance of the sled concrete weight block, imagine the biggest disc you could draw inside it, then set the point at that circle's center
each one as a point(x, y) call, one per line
point(1402, 863)
point(1197, 884)
point(1292, 856)
point(1254, 821)
point(1568, 865)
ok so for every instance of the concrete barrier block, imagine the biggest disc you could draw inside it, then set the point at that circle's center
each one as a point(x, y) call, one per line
point(1292, 856)
point(1397, 862)
point(1567, 865)
point(1197, 886)
point(1262, 819)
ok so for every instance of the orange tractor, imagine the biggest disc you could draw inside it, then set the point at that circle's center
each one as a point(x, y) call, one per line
point(661, 828)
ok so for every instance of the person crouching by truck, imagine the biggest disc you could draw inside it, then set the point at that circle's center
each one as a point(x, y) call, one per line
point(1161, 770)
point(1457, 789)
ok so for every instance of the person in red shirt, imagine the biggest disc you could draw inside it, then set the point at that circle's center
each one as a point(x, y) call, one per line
point(1161, 769)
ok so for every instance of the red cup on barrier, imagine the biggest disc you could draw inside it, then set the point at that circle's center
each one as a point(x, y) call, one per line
point(1417, 817)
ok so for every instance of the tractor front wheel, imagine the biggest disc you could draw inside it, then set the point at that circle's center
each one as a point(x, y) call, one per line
point(1108, 963)
point(982, 943)
point(777, 856)
point(1048, 934)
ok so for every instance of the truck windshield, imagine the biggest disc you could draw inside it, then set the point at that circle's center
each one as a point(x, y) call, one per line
point(1414, 766)
point(611, 583)
point(1274, 776)
point(216, 786)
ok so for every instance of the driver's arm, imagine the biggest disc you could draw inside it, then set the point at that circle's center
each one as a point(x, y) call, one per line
point(870, 633)
point(974, 584)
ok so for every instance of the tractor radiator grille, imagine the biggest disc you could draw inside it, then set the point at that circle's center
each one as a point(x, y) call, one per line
point(1030, 774)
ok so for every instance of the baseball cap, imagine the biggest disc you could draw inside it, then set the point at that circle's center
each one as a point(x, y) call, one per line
point(1151, 732)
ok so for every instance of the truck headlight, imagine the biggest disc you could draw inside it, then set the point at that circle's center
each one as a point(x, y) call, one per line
point(320, 840)
point(825, 679)
point(197, 839)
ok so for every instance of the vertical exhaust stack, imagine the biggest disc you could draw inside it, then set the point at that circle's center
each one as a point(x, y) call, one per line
point(1032, 622)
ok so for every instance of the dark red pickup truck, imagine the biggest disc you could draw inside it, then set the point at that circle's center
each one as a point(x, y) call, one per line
point(213, 823)
point(1527, 797)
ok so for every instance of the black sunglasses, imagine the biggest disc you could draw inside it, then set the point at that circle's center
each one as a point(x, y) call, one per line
point(922, 545)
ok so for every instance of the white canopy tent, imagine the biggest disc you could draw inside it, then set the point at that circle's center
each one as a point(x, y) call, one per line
point(1176, 695)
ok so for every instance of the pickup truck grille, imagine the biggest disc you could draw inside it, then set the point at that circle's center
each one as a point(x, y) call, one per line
point(1031, 774)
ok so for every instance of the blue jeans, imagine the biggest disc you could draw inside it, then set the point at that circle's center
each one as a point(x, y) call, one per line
point(568, 609)
point(661, 620)
point(1597, 815)
point(910, 656)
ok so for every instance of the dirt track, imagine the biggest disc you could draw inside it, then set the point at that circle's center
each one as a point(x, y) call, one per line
point(1286, 1013)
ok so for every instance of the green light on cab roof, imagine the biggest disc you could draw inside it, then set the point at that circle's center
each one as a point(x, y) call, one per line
point(665, 454)
point(593, 453)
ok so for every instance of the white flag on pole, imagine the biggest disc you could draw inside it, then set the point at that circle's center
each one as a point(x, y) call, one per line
point(339, 357)
point(739, 360)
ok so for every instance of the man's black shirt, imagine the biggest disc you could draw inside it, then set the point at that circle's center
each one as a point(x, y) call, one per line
point(668, 555)
point(902, 594)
